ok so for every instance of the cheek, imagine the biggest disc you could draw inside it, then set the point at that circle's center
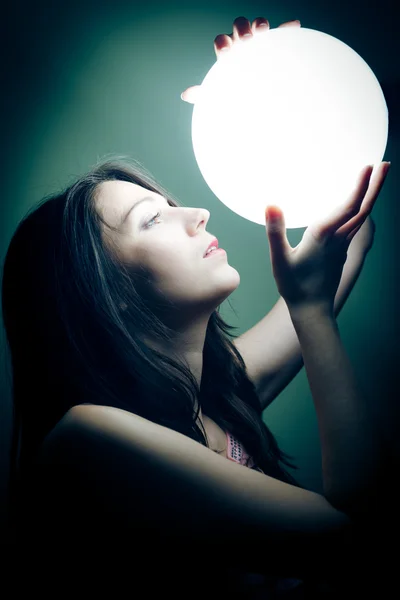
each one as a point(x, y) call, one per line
point(173, 268)
point(169, 264)
point(166, 276)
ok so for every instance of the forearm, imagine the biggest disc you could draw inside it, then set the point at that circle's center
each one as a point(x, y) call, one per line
point(284, 353)
point(349, 442)
point(353, 266)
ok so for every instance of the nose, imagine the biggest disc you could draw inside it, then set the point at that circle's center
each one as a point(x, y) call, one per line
point(198, 217)
point(203, 216)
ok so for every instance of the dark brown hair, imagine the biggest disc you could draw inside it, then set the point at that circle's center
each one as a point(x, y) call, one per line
point(71, 341)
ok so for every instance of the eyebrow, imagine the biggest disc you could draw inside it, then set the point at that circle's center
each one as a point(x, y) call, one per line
point(137, 204)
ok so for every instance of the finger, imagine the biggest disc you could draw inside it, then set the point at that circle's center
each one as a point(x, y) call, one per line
point(323, 231)
point(222, 43)
point(241, 29)
point(259, 25)
point(295, 23)
point(368, 203)
point(191, 94)
point(276, 229)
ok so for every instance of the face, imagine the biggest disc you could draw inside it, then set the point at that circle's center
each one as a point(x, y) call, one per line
point(167, 243)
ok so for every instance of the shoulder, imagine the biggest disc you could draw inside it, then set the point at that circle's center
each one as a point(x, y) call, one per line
point(87, 419)
point(89, 440)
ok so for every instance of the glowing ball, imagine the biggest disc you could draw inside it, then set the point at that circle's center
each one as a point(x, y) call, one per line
point(288, 117)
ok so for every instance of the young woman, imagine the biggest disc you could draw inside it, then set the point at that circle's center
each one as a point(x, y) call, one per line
point(140, 456)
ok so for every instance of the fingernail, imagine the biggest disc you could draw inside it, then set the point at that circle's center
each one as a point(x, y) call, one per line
point(272, 216)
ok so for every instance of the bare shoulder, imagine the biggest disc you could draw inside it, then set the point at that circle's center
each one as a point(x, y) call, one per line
point(100, 425)
point(89, 420)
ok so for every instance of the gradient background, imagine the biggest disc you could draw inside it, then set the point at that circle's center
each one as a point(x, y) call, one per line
point(84, 79)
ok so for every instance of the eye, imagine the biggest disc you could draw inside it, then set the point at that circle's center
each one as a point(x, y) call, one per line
point(147, 224)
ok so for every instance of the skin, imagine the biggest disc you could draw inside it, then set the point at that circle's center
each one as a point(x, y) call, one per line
point(169, 249)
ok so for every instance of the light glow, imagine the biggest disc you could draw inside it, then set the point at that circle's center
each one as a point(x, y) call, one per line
point(288, 117)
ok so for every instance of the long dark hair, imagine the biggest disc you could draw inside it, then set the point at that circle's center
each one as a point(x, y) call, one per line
point(75, 322)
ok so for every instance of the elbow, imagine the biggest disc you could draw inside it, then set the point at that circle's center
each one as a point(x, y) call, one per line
point(358, 508)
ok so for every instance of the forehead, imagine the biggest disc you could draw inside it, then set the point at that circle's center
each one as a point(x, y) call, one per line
point(113, 198)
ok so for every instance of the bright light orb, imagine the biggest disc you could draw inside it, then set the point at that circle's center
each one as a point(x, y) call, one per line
point(288, 117)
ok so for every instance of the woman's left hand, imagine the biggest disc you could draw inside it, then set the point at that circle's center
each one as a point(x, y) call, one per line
point(242, 29)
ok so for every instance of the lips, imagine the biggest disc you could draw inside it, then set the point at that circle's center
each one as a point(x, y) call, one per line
point(214, 242)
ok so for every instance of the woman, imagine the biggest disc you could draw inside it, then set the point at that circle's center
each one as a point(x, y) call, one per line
point(129, 397)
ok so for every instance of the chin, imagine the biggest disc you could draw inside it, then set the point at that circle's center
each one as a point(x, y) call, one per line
point(230, 286)
point(235, 278)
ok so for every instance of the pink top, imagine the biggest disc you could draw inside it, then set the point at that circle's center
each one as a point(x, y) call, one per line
point(237, 453)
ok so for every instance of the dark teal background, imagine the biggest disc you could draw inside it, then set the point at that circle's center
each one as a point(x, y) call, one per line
point(81, 80)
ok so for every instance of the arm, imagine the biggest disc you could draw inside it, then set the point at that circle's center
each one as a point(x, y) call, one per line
point(156, 486)
point(350, 443)
point(271, 349)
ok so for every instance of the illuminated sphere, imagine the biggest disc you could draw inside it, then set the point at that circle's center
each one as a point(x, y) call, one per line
point(289, 117)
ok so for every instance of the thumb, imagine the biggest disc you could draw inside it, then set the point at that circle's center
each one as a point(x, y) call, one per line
point(191, 94)
point(276, 231)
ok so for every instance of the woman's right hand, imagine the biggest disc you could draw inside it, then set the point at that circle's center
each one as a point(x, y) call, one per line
point(309, 274)
point(242, 29)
